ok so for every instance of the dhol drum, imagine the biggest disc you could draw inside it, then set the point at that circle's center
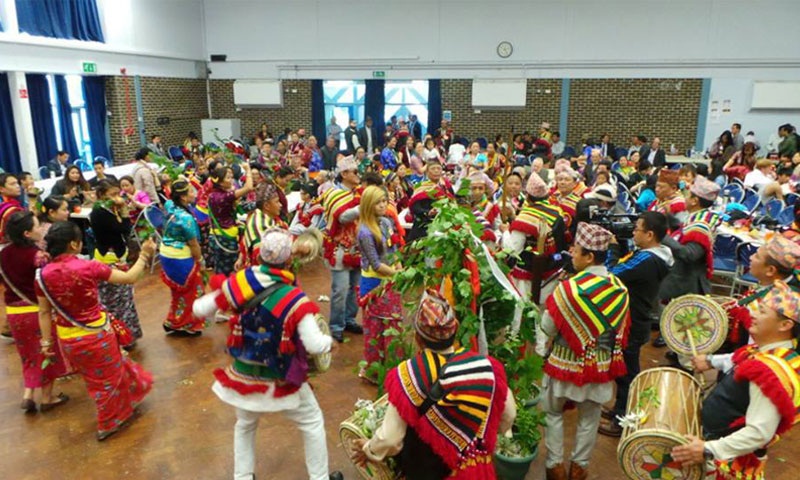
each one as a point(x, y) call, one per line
point(320, 363)
point(694, 324)
point(353, 429)
point(663, 407)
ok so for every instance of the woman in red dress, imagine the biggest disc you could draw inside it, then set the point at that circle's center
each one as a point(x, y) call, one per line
point(18, 264)
point(67, 294)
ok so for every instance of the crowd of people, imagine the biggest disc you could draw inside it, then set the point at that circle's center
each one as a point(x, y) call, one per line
point(70, 309)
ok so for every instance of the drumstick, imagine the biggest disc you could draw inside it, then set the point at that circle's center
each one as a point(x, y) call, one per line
point(694, 353)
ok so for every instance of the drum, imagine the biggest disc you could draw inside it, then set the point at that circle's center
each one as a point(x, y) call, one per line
point(322, 362)
point(698, 316)
point(663, 407)
point(349, 431)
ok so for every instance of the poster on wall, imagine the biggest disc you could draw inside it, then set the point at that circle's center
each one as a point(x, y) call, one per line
point(447, 115)
point(726, 107)
point(714, 111)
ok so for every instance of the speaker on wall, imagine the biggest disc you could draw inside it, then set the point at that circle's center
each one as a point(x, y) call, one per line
point(218, 58)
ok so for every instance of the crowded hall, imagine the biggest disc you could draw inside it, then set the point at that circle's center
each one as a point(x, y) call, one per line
point(445, 240)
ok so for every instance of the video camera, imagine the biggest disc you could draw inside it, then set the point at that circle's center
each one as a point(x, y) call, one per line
point(620, 224)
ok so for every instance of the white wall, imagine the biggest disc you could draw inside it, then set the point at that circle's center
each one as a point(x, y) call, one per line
point(458, 38)
point(739, 91)
point(147, 37)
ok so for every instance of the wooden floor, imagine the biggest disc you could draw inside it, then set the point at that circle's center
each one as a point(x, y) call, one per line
point(185, 432)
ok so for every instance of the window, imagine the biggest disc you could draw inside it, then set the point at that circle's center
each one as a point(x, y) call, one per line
point(407, 98)
point(344, 100)
point(77, 104)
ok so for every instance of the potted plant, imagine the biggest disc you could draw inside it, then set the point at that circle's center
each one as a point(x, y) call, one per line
point(452, 257)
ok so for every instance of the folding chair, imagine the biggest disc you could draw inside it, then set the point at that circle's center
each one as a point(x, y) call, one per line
point(175, 153)
point(154, 217)
point(786, 216)
point(751, 200)
point(790, 199)
point(44, 172)
point(621, 152)
point(83, 165)
point(482, 142)
point(568, 152)
point(106, 162)
point(725, 258)
point(773, 207)
point(733, 191)
point(742, 277)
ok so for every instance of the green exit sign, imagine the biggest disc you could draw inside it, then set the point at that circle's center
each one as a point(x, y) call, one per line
point(378, 74)
point(89, 67)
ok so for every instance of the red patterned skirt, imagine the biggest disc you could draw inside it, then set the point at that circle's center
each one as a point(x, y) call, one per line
point(185, 289)
point(382, 310)
point(116, 383)
point(24, 327)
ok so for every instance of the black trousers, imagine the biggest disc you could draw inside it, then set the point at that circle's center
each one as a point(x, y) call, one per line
point(639, 335)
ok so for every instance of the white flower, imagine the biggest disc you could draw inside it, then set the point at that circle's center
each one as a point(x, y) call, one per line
point(631, 420)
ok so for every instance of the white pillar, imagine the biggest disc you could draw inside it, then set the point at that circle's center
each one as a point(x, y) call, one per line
point(23, 122)
point(8, 10)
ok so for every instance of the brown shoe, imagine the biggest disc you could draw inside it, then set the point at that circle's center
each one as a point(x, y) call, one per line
point(576, 472)
point(556, 473)
point(610, 428)
point(607, 413)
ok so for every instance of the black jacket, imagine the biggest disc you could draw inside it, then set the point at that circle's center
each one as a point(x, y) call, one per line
point(658, 161)
point(349, 132)
point(643, 274)
point(328, 157)
point(362, 138)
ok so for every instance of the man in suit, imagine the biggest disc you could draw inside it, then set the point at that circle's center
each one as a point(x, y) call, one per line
point(351, 137)
point(654, 153)
point(329, 152)
point(368, 137)
point(156, 147)
point(415, 128)
point(99, 174)
point(607, 149)
point(58, 165)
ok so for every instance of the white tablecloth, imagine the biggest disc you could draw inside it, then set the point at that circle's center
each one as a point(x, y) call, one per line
point(118, 171)
point(756, 237)
point(685, 159)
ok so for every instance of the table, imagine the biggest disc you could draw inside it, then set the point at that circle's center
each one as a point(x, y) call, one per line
point(83, 214)
point(756, 237)
point(685, 159)
point(118, 171)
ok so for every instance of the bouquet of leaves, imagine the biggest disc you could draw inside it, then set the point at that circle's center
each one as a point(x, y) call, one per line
point(368, 416)
point(167, 166)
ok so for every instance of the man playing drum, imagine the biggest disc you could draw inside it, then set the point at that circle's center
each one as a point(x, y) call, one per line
point(583, 333)
point(757, 396)
point(774, 261)
point(446, 405)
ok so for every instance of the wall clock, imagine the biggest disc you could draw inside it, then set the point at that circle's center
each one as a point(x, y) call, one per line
point(505, 49)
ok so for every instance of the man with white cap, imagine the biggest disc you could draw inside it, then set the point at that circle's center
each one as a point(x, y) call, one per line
point(269, 373)
point(537, 236)
point(340, 247)
point(692, 246)
point(583, 330)
point(757, 395)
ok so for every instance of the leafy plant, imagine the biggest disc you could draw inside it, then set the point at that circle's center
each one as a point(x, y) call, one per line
point(167, 166)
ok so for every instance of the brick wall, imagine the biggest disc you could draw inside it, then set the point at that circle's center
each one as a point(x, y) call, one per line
point(295, 113)
point(627, 107)
point(540, 107)
point(183, 101)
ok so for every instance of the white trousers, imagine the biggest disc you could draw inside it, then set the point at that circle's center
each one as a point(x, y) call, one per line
point(308, 418)
point(585, 436)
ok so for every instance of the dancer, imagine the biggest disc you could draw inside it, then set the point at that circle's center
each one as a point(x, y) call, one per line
point(453, 436)
point(269, 372)
point(583, 331)
point(182, 261)
point(53, 209)
point(115, 383)
point(18, 263)
point(111, 225)
point(10, 192)
point(222, 209)
point(377, 240)
point(267, 214)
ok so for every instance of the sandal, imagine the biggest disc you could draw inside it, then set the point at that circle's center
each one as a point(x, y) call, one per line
point(28, 405)
point(61, 400)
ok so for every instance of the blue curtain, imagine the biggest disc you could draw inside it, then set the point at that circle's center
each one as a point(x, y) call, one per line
point(375, 104)
point(76, 19)
point(434, 105)
point(94, 92)
point(318, 111)
point(68, 142)
point(9, 150)
point(44, 132)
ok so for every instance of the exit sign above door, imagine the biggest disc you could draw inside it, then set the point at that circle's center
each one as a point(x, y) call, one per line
point(89, 67)
point(378, 74)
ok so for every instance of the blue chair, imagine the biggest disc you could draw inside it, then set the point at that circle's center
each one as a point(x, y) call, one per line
point(482, 142)
point(44, 172)
point(621, 152)
point(790, 199)
point(786, 216)
point(725, 257)
point(106, 162)
point(155, 217)
point(675, 166)
point(751, 200)
point(773, 207)
point(615, 166)
point(568, 152)
point(733, 191)
point(175, 153)
point(742, 277)
point(533, 157)
point(464, 141)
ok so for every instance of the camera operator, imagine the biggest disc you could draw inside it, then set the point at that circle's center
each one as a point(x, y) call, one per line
point(604, 198)
point(642, 273)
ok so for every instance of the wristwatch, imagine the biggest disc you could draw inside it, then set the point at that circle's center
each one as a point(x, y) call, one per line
point(708, 454)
